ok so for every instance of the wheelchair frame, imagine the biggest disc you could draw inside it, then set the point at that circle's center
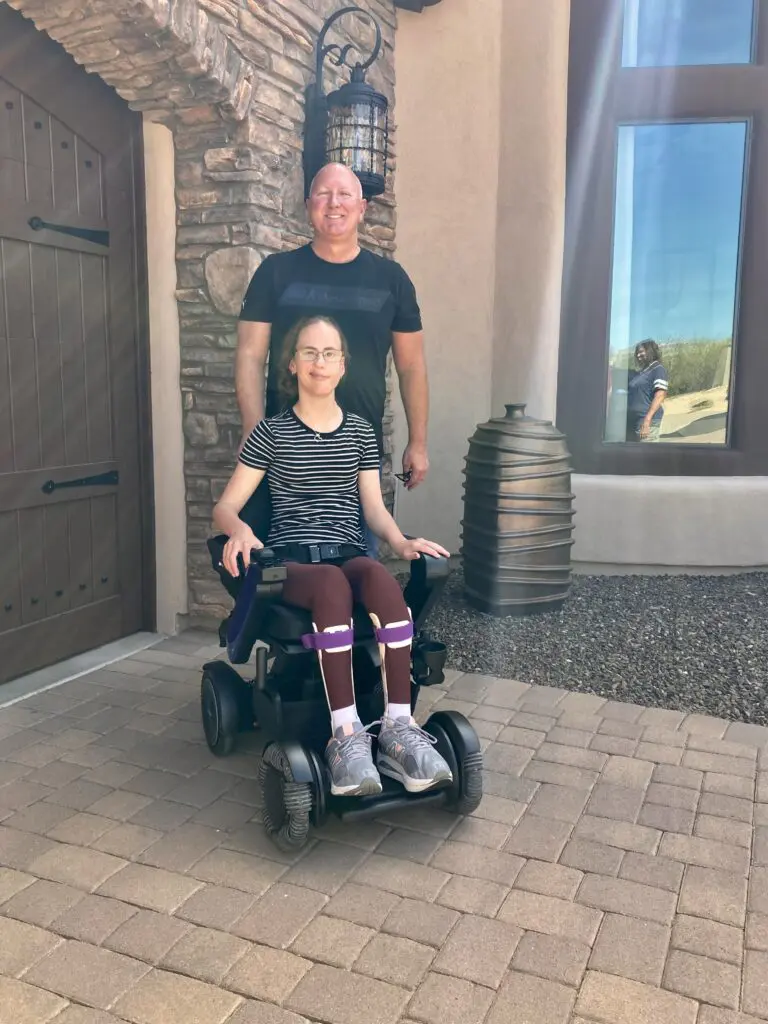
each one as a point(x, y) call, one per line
point(286, 699)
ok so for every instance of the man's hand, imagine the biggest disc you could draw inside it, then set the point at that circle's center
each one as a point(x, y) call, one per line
point(410, 550)
point(645, 427)
point(415, 464)
point(411, 366)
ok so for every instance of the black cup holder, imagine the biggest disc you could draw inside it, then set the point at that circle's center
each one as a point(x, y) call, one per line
point(429, 657)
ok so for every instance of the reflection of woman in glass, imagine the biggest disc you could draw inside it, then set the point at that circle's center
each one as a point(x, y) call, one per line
point(647, 389)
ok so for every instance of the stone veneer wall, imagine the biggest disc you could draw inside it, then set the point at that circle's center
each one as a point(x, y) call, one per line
point(227, 76)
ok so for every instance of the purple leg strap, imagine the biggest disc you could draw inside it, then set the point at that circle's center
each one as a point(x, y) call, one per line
point(392, 634)
point(322, 641)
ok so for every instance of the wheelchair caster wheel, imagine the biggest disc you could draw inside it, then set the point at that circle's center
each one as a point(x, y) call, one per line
point(222, 695)
point(458, 743)
point(288, 804)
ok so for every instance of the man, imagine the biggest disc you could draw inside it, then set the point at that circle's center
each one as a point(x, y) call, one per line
point(371, 298)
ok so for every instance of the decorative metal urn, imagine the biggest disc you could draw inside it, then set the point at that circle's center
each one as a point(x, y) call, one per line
point(518, 516)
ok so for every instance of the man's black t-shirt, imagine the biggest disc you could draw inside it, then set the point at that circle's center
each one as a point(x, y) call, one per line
point(369, 297)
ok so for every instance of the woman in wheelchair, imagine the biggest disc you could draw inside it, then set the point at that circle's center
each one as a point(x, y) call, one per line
point(322, 464)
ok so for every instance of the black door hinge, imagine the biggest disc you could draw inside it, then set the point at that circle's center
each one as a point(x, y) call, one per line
point(98, 480)
point(87, 234)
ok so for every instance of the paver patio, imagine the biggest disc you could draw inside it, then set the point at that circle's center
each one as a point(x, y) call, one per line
point(615, 872)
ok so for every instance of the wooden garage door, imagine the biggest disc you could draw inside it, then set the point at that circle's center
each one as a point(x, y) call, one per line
point(73, 499)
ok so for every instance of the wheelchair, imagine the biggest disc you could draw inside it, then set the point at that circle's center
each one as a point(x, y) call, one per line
point(285, 698)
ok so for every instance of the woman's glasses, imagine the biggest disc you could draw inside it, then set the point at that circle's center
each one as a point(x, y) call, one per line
point(311, 355)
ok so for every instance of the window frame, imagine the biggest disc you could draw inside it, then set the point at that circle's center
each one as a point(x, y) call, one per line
point(662, 95)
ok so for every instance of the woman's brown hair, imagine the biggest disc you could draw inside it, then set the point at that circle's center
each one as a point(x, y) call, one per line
point(286, 381)
point(651, 348)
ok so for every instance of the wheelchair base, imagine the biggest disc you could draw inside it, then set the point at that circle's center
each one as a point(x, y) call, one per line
point(293, 778)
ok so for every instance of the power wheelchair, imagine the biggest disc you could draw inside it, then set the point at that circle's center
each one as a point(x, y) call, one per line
point(285, 698)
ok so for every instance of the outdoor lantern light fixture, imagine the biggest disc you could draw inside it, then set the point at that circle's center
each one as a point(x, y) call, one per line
point(349, 126)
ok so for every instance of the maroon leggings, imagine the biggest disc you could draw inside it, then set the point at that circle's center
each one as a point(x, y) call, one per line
point(328, 592)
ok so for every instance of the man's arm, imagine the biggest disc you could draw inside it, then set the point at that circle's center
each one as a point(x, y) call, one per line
point(411, 366)
point(250, 363)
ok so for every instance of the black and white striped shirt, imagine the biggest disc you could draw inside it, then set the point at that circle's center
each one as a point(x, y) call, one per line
point(313, 477)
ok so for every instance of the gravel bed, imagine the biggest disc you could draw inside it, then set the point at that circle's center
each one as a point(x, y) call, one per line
point(689, 643)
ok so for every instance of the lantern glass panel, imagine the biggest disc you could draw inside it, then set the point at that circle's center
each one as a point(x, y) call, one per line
point(357, 136)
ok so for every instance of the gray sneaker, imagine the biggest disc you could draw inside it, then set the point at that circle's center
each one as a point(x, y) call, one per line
point(350, 763)
point(408, 754)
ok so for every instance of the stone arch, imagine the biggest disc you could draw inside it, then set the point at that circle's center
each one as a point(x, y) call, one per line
point(161, 56)
point(227, 77)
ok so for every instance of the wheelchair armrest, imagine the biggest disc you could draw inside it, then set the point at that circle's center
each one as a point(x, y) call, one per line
point(265, 558)
point(253, 591)
point(272, 569)
point(433, 567)
point(429, 575)
point(215, 545)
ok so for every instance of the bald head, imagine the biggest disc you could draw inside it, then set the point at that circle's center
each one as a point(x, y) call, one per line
point(336, 174)
point(336, 207)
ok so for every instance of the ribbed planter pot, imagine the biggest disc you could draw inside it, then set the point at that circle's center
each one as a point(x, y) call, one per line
point(518, 516)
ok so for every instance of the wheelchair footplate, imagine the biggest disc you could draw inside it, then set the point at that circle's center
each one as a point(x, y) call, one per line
point(393, 796)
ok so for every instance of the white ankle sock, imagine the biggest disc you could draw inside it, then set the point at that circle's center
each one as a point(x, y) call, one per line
point(395, 711)
point(344, 717)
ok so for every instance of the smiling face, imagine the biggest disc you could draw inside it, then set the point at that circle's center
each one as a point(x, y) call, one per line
point(336, 205)
point(318, 360)
point(642, 356)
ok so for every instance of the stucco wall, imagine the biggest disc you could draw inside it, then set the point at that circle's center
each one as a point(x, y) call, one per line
point(165, 363)
point(627, 523)
point(482, 101)
point(482, 91)
point(531, 204)
point(448, 63)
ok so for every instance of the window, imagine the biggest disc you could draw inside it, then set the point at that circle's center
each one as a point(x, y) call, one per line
point(664, 293)
point(676, 234)
point(673, 33)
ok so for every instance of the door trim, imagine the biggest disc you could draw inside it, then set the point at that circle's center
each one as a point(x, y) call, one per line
point(144, 383)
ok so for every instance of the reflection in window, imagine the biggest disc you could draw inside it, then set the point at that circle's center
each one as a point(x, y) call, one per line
point(666, 33)
point(677, 225)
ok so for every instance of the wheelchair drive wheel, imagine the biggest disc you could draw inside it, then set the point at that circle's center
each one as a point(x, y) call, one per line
point(288, 803)
point(459, 744)
point(225, 697)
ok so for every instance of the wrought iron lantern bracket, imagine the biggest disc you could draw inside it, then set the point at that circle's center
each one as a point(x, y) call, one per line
point(317, 105)
point(340, 53)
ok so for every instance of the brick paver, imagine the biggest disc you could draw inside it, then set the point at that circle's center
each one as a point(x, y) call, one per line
point(616, 872)
point(86, 974)
point(631, 948)
point(163, 998)
point(24, 1004)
